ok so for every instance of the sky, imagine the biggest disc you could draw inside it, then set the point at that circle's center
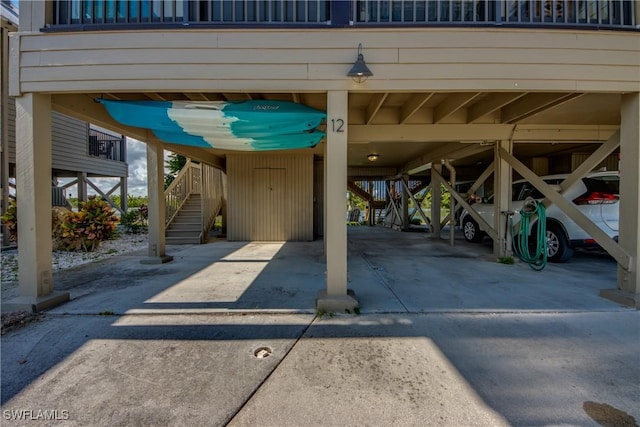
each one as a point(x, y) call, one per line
point(137, 160)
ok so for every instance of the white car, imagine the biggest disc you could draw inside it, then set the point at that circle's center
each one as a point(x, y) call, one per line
point(597, 195)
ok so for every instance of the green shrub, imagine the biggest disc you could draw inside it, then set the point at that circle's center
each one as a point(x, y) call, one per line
point(136, 220)
point(10, 219)
point(84, 230)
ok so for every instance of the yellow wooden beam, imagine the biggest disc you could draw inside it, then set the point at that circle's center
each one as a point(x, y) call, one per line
point(491, 104)
point(451, 104)
point(413, 105)
point(533, 104)
point(376, 102)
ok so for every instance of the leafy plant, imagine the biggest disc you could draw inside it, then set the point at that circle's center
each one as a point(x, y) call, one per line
point(506, 260)
point(132, 201)
point(84, 230)
point(10, 219)
point(136, 220)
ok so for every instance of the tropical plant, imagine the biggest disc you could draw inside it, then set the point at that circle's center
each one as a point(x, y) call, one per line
point(136, 220)
point(84, 230)
point(10, 219)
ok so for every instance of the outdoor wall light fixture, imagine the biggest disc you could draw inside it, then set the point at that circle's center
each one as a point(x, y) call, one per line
point(359, 72)
point(373, 157)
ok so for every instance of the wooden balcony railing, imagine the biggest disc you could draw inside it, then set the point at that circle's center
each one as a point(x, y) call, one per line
point(107, 146)
point(70, 15)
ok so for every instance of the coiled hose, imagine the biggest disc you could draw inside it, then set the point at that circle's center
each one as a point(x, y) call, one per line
point(531, 209)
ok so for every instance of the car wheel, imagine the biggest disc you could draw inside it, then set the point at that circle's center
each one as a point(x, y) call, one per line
point(558, 249)
point(471, 231)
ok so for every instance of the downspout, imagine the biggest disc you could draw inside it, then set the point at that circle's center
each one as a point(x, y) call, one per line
point(452, 209)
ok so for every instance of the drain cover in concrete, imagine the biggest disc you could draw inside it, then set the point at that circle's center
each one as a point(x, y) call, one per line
point(262, 352)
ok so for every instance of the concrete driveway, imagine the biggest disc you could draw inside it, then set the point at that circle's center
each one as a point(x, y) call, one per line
point(227, 334)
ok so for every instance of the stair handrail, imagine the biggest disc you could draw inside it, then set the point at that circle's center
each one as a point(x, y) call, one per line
point(212, 196)
point(178, 192)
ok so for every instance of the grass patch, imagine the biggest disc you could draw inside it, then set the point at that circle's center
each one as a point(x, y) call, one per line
point(506, 260)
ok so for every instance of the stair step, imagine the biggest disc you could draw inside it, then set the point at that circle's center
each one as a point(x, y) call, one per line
point(185, 228)
point(187, 218)
point(182, 241)
point(189, 215)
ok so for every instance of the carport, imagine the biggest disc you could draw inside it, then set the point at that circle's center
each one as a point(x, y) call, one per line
point(530, 134)
point(439, 100)
point(433, 136)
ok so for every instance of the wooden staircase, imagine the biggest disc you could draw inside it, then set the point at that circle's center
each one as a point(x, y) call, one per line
point(186, 227)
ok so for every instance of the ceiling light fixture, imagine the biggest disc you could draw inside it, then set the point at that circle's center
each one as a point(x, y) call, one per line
point(359, 72)
point(373, 157)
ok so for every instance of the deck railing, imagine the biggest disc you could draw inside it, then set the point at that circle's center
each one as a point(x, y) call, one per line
point(115, 14)
point(212, 197)
point(178, 191)
point(107, 146)
point(196, 178)
point(614, 13)
point(185, 12)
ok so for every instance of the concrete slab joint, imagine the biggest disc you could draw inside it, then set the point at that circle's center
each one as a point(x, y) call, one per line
point(337, 303)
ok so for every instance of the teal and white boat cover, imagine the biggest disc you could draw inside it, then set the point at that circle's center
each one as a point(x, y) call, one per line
point(250, 125)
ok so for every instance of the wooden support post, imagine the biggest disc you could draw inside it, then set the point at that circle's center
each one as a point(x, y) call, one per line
point(502, 197)
point(4, 128)
point(336, 297)
point(436, 199)
point(33, 182)
point(124, 194)
point(405, 202)
point(82, 187)
point(155, 188)
point(628, 291)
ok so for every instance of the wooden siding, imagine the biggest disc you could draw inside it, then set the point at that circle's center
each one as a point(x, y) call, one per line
point(70, 149)
point(317, 60)
point(69, 141)
point(610, 163)
point(318, 197)
point(270, 197)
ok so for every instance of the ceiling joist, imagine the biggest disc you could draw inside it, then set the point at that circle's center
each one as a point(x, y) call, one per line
point(243, 96)
point(452, 104)
point(196, 96)
point(376, 102)
point(491, 104)
point(534, 103)
point(154, 96)
point(413, 105)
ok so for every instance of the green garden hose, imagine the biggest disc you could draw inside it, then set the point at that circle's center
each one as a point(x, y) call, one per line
point(531, 209)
